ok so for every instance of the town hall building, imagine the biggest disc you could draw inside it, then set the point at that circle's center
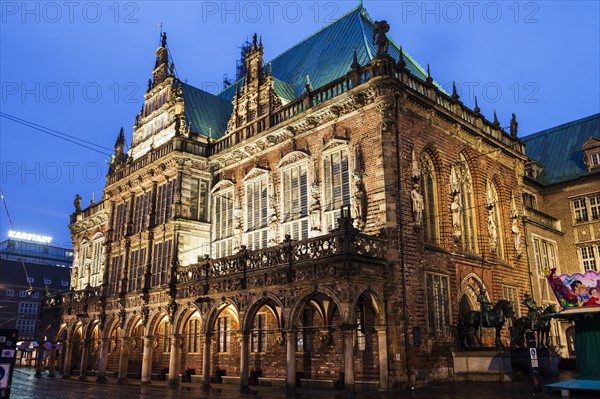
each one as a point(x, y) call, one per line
point(319, 222)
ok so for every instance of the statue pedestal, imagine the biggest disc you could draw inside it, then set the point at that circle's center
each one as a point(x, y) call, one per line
point(482, 365)
point(548, 361)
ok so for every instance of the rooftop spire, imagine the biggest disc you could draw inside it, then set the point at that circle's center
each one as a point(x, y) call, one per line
point(120, 143)
point(401, 63)
point(496, 122)
point(476, 109)
point(429, 79)
point(355, 65)
point(161, 67)
point(455, 95)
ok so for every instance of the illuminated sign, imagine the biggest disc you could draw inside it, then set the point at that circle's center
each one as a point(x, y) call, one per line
point(29, 237)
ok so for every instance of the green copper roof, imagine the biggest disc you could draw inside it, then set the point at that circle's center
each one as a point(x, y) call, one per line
point(558, 149)
point(207, 113)
point(327, 54)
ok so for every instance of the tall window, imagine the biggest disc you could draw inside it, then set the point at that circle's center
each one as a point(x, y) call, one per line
point(193, 341)
point(116, 274)
point(511, 294)
point(529, 201)
point(223, 334)
point(259, 336)
point(588, 258)
point(304, 337)
point(161, 262)
point(140, 212)
point(295, 201)
point(545, 259)
point(580, 209)
point(164, 330)
point(164, 201)
point(97, 255)
point(137, 261)
point(198, 199)
point(361, 337)
point(465, 196)
point(595, 207)
point(438, 305)
point(336, 181)
point(84, 265)
point(428, 188)
point(223, 223)
point(256, 213)
point(120, 220)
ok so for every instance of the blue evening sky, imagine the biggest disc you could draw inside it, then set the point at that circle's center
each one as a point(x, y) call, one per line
point(82, 67)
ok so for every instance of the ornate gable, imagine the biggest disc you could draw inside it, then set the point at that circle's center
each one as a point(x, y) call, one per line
point(292, 158)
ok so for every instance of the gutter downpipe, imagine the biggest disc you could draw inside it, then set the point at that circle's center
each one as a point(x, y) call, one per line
point(402, 260)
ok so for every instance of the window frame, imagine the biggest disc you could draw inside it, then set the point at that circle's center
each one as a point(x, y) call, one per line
point(436, 303)
point(331, 208)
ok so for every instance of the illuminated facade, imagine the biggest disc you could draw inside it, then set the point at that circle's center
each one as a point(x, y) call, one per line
point(318, 223)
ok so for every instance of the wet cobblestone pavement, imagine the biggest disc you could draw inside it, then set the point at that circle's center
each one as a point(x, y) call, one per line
point(25, 385)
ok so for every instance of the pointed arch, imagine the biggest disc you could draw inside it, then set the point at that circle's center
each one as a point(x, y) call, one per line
point(429, 190)
point(269, 300)
point(461, 188)
point(494, 220)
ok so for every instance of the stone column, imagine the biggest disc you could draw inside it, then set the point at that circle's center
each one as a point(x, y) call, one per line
point(383, 358)
point(84, 359)
point(51, 365)
point(174, 360)
point(206, 362)
point(123, 360)
point(348, 332)
point(244, 363)
point(290, 371)
point(147, 360)
point(103, 360)
point(39, 360)
point(66, 372)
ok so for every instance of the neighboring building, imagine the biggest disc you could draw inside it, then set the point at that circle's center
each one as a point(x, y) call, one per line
point(26, 269)
point(561, 199)
point(328, 217)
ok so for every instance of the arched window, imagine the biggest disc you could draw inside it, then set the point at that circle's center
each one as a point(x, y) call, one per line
point(463, 207)
point(429, 189)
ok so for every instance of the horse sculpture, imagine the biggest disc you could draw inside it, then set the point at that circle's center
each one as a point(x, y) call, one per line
point(496, 318)
point(541, 326)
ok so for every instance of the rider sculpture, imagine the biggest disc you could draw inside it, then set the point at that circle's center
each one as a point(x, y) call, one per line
point(486, 306)
point(533, 312)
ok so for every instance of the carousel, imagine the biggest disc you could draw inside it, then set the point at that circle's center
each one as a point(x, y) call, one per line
point(578, 295)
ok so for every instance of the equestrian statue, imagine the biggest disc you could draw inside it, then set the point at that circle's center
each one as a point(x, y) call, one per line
point(537, 320)
point(488, 317)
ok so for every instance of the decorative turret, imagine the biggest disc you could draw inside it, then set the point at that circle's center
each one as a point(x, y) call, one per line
point(161, 67)
point(254, 63)
point(119, 157)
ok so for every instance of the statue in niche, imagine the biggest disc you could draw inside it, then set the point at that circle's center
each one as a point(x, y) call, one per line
point(516, 231)
point(415, 168)
point(315, 207)
point(454, 182)
point(273, 219)
point(492, 230)
point(456, 210)
point(359, 201)
point(237, 228)
point(417, 205)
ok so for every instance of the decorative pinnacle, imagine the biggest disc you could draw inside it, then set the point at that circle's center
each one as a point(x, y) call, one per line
point(401, 63)
point(308, 86)
point(429, 79)
point(496, 123)
point(163, 39)
point(120, 139)
point(476, 109)
point(455, 95)
point(355, 65)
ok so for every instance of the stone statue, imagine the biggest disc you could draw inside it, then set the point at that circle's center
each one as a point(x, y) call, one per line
point(514, 126)
point(163, 42)
point(237, 227)
point(359, 199)
point(415, 168)
point(516, 231)
point(273, 220)
point(417, 204)
point(456, 210)
point(454, 182)
point(492, 230)
point(77, 203)
point(315, 207)
point(380, 37)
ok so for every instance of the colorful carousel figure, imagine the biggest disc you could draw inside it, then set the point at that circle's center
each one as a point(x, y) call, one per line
point(577, 294)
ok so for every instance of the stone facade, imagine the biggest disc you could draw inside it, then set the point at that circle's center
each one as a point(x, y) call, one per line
point(335, 239)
